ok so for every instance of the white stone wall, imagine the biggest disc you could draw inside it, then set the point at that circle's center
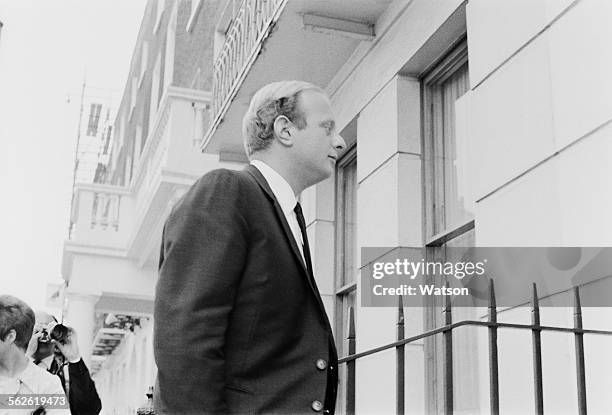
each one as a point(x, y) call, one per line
point(537, 129)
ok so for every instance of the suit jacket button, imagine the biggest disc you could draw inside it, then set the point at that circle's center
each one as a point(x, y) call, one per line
point(321, 364)
point(316, 406)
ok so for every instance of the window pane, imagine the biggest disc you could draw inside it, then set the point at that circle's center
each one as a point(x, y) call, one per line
point(349, 215)
point(450, 207)
point(346, 244)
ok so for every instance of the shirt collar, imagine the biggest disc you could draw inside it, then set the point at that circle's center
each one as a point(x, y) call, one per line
point(47, 361)
point(279, 186)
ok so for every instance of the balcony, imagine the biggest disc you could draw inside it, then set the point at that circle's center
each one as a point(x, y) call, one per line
point(126, 222)
point(271, 40)
point(243, 40)
point(96, 213)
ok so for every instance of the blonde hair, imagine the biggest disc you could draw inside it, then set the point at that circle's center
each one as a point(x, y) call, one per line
point(268, 103)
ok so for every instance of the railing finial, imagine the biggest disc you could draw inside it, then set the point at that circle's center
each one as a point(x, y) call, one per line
point(351, 324)
point(492, 302)
point(535, 305)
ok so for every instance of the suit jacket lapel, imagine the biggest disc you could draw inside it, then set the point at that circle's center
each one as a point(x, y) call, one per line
point(279, 213)
point(253, 171)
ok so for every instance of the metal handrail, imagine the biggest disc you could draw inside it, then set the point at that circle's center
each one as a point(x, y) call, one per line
point(493, 325)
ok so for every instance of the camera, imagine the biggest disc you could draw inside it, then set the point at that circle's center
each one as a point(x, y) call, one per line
point(58, 332)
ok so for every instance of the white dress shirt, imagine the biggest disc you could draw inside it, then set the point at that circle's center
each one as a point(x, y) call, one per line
point(32, 381)
point(46, 362)
point(285, 197)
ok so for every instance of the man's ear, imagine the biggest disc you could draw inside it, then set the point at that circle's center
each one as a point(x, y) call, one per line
point(282, 130)
point(11, 336)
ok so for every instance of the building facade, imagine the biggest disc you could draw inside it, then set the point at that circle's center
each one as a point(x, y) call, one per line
point(110, 258)
point(468, 123)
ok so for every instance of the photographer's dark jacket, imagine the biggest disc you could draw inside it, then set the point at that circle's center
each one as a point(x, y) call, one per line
point(82, 394)
point(239, 327)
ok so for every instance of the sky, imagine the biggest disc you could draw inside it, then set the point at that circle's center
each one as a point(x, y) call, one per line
point(47, 49)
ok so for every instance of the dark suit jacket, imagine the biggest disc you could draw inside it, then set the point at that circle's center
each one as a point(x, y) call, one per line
point(239, 326)
point(82, 395)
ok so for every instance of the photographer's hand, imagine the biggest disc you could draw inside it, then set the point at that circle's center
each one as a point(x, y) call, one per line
point(33, 345)
point(70, 348)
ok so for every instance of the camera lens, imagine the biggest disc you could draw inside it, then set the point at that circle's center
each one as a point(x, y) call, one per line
point(59, 333)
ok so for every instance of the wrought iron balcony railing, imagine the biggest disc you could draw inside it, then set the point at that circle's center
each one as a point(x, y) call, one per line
point(250, 26)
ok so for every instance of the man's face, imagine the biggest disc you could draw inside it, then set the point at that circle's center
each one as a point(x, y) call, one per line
point(316, 146)
point(42, 321)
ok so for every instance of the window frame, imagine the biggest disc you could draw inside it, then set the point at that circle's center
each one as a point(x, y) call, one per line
point(436, 242)
point(343, 290)
point(341, 287)
point(441, 70)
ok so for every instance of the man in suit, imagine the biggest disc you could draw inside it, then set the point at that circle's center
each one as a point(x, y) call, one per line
point(239, 323)
point(81, 390)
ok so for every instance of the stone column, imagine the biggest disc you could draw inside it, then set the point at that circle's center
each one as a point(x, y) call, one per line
point(198, 128)
point(389, 206)
point(81, 317)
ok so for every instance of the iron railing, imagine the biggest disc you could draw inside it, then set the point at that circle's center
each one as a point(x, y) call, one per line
point(251, 24)
point(447, 336)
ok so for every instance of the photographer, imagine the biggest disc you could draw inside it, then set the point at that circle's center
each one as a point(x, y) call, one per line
point(52, 347)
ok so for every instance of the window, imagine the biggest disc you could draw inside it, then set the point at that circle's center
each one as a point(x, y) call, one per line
point(346, 253)
point(94, 119)
point(449, 220)
point(447, 208)
point(346, 242)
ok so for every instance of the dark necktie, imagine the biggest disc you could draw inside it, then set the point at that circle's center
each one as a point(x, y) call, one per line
point(302, 223)
point(54, 368)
